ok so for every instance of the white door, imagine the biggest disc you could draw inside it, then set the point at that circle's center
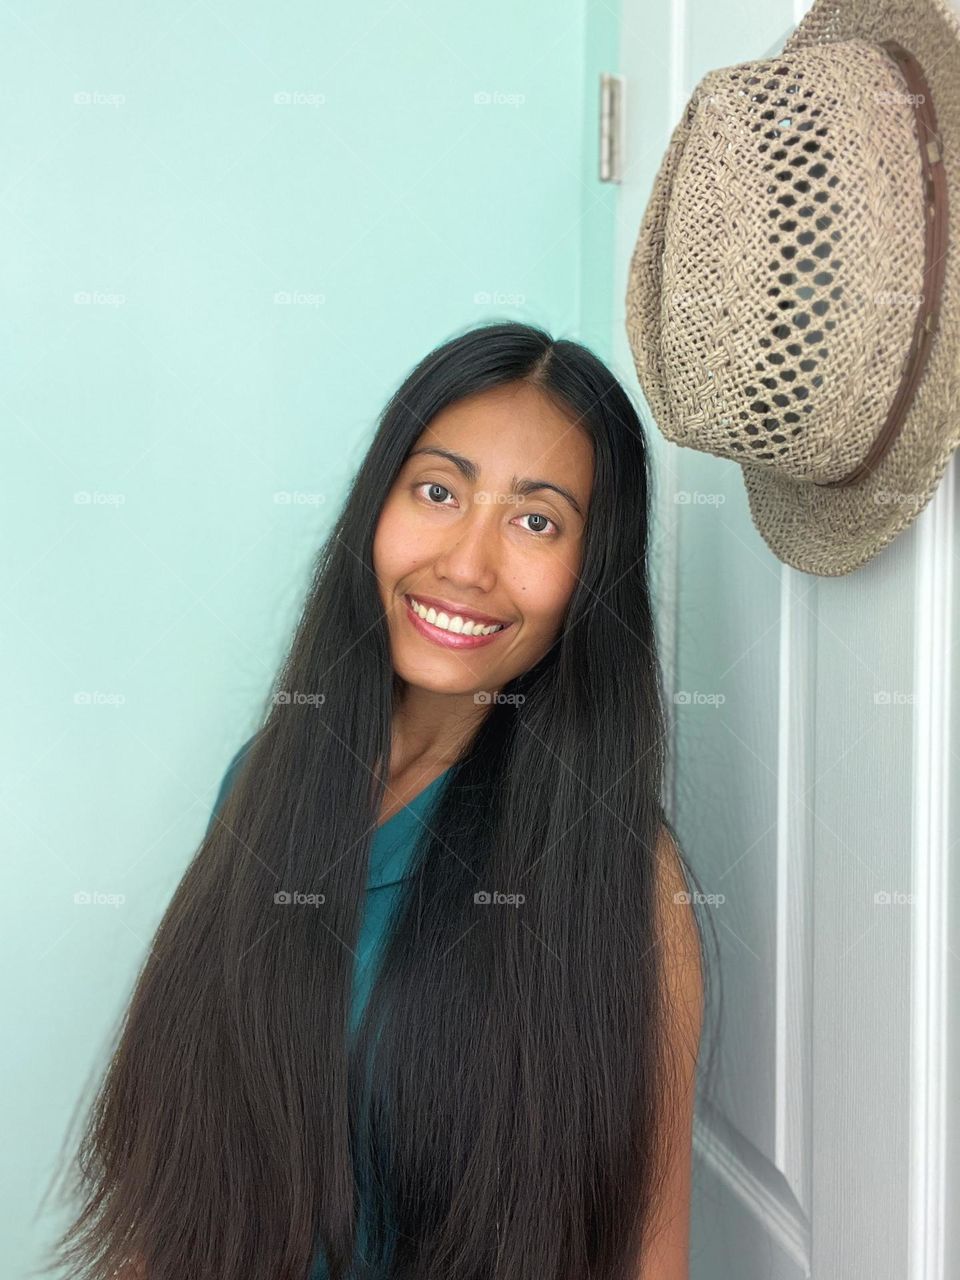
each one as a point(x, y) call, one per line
point(814, 738)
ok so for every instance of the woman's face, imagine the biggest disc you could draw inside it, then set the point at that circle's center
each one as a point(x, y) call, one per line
point(465, 535)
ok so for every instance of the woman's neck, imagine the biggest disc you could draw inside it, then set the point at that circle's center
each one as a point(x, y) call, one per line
point(429, 730)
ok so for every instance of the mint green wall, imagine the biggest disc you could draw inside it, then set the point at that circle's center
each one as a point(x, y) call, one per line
point(158, 198)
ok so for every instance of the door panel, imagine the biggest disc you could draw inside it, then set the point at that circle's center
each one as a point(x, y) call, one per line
point(812, 738)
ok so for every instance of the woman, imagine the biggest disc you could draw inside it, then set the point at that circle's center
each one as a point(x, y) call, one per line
point(512, 1093)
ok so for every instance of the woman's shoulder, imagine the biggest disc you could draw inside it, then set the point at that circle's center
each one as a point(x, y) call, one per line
point(680, 937)
point(666, 1252)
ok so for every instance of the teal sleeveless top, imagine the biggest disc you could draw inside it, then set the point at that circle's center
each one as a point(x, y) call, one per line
point(390, 853)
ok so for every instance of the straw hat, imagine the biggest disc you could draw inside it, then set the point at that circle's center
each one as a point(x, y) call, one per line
point(793, 299)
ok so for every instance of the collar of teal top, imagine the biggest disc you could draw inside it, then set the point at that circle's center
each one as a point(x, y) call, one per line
point(393, 841)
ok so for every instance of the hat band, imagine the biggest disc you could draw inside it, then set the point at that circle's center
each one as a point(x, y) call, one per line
point(934, 269)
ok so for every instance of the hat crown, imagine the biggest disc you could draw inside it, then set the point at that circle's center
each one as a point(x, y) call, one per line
point(780, 262)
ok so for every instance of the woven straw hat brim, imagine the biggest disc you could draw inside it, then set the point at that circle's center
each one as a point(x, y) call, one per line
point(832, 531)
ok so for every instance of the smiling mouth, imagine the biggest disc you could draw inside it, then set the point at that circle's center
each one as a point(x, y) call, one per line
point(453, 630)
point(464, 624)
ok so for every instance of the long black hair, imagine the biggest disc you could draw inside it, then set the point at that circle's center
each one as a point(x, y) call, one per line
point(498, 1107)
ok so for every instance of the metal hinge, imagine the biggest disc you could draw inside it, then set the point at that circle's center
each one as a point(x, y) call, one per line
point(611, 126)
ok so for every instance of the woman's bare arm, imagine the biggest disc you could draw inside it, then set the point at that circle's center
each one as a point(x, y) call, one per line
point(667, 1254)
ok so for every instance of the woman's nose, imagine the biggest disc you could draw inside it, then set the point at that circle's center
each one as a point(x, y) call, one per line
point(471, 553)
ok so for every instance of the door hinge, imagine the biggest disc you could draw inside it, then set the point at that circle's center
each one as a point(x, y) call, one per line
point(611, 127)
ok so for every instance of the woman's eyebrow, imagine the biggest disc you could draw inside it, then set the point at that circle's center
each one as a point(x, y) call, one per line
point(524, 487)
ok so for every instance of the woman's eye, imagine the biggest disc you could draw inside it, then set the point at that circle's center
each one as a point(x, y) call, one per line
point(436, 495)
point(431, 494)
point(540, 533)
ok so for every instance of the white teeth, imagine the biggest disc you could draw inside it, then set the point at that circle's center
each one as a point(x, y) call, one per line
point(462, 626)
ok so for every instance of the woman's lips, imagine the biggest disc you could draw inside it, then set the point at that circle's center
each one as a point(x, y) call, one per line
point(450, 639)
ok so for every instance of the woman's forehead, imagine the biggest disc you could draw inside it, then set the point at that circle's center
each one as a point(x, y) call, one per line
point(514, 430)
